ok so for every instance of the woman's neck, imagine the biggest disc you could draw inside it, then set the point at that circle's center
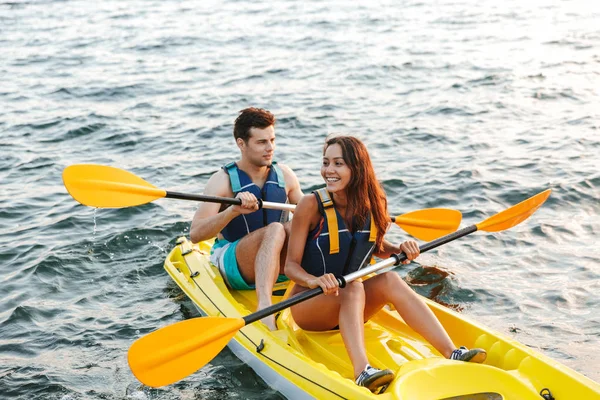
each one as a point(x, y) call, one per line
point(340, 200)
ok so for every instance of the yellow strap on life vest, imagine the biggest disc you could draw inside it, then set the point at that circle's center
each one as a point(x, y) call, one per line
point(332, 223)
point(372, 235)
point(373, 229)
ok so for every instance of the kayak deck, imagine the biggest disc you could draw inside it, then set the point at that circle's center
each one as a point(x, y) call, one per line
point(306, 364)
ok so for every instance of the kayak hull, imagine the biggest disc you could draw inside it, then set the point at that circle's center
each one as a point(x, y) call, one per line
point(304, 365)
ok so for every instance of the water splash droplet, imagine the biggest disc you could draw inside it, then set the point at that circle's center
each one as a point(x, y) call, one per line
point(95, 212)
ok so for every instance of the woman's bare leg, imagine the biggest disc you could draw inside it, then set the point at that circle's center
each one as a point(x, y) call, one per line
point(352, 324)
point(345, 310)
point(390, 288)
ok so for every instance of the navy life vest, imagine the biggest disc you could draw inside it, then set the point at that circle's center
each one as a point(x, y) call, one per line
point(273, 190)
point(331, 248)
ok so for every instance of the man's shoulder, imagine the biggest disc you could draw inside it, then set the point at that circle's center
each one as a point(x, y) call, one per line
point(219, 182)
point(285, 169)
point(220, 174)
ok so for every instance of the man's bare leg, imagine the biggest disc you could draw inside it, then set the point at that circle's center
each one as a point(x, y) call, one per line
point(288, 230)
point(267, 268)
point(258, 256)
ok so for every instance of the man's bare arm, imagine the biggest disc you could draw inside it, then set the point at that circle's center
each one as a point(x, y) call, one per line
point(208, 221)
point(294, 193)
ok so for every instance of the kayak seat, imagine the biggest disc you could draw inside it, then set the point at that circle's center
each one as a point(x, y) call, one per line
point(415, 378)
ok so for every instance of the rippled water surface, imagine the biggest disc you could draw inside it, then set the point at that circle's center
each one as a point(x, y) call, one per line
point(467, 105)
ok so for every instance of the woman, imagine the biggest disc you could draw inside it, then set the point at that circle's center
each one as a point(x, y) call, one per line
point(335, 232)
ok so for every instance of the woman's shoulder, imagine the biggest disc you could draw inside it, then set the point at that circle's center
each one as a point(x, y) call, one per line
point(308, 203)
point(307, 211)
point(309, 199)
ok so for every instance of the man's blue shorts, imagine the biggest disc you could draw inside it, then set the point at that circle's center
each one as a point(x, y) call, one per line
point(222, 255)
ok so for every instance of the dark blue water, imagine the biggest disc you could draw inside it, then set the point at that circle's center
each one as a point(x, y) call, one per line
point(467, 105)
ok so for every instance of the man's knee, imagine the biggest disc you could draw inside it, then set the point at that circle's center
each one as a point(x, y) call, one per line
point(275, 231)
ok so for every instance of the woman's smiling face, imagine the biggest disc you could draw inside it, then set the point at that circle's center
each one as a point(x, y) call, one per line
point(334, 169)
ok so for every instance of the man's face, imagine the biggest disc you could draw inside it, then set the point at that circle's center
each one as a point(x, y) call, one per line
point(260, 147)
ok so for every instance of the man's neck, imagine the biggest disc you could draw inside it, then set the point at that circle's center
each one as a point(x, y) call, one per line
point(255, 172)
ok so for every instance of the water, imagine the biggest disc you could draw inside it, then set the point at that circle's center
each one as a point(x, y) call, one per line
point(467, 105)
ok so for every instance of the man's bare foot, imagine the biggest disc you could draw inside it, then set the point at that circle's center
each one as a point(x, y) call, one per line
point(270, 322)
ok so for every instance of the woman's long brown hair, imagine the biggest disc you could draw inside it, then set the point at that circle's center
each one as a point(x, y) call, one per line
point(364, 192)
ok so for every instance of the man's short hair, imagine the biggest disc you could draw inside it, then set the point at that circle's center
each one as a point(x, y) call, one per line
point(251, 117)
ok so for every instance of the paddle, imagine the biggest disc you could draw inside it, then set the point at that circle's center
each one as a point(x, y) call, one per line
point(176, 351)
point(110, 187)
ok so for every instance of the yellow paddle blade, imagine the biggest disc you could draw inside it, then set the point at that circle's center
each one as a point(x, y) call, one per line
point(108, 187)
point(176, 351)
point(514, 215)
point(429, 224)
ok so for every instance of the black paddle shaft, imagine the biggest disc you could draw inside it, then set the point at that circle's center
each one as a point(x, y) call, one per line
point(208, 199)
point(448, 238)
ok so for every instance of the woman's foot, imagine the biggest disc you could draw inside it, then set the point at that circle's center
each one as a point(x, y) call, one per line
point(473, 355)
point(373, 378)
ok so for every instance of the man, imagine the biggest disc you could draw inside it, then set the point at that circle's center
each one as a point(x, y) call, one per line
point(251, 243)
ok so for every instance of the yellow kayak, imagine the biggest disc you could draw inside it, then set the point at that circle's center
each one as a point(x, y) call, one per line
point(302, 364)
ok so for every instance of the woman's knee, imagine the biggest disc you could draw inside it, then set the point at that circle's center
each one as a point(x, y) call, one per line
point(354, 290)
point(392, 280)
